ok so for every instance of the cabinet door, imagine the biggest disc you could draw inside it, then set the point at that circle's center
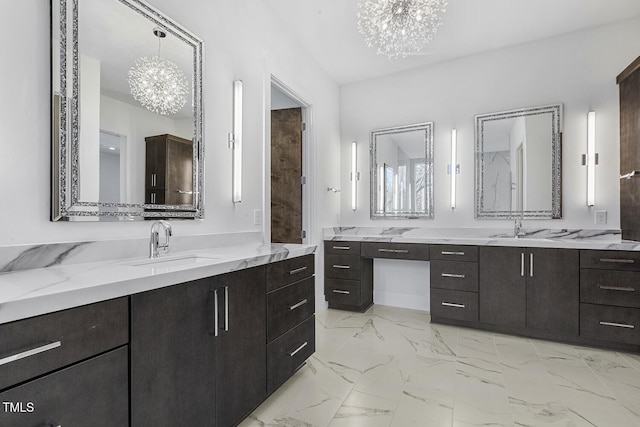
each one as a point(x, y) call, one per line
point(502, 286)
point(553, 290)
point(241, 345)
point(179, 169)
point(172, 356)
point(92, 393)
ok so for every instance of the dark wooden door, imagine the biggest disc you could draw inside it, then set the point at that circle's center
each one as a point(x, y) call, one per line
point(502, 285)
point(553, 290)
point(241, 345)
point(286, 175)
point(173, 356)
point(91, 393)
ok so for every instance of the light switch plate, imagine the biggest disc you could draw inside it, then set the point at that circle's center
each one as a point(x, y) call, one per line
point(257, 216)
point(601, 217)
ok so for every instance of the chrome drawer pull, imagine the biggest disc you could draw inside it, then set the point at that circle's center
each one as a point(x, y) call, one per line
point(395, 251)
point(298, 270)
point(531, 265)
point(344, 267)
point(617, 325)
point(342, 248)
point(215, 313)
point(522, 264)
point(28, 353)
point(301, 303)
point(451, 253)
point(338, 291)
point(294, 352)
point(617, 288)
point(618, 260)
point(226, 309)
point(451, 304)
point(457, 276)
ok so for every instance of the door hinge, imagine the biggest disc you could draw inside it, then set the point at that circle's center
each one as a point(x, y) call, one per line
point(303, 234)
point(304, 126)
point(303, 180)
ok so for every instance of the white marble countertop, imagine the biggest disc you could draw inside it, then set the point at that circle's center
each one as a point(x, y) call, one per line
point(38, 291)
point(539, 238)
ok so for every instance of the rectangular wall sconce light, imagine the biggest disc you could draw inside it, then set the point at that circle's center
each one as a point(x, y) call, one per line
point(355, 175)
point(454, 166)
point(235, 141)
point(591, 158)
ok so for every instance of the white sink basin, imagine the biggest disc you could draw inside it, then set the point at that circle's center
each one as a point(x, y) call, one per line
point(175, 261)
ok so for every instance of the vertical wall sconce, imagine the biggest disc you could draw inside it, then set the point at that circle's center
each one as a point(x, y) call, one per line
point(591, 158)
point(355, 175)
point(454, 166)
point(235, 141)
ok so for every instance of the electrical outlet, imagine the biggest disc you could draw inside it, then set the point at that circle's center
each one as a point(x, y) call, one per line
point(257, 216)
point(601, 217)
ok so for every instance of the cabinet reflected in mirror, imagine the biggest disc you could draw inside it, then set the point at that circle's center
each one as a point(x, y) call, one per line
point(518, 163)
point(402, 172)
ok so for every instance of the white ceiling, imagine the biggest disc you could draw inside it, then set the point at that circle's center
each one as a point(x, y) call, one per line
point(327, 29)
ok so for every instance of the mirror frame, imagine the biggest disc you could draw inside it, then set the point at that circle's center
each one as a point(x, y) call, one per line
point(427, 127)
point(556, 163)
point(65, 132)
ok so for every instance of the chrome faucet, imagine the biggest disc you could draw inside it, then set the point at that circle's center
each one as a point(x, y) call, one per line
point(517, 228)
point(154, 242)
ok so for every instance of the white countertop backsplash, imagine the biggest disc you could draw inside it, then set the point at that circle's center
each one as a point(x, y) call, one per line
point(544, 238)
point(36, 291)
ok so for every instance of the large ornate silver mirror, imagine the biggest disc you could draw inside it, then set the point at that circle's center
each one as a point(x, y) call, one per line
point(126, 113)
point(402, 172)
point(518, 163)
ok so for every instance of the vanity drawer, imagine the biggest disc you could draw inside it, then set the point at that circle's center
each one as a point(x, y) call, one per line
point(454, 275)
point(611, 287)
point(609, 323)
point(342, 266)
point(610, 260)
point(454, 252)
point(341, 248)
point(291, 270)
point(286, 354)
point(457, 305)
point(289, 306)
point(342, 292)
point(51, 341)
point(410, 251)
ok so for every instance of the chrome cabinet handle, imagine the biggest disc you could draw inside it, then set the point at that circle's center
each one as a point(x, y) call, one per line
point(618, 260)
point(617, 325)
point(301, 303)
point(153, 179)
point(338, 291)
point(342, 248)
point(451, 253)
point(616, 288)
point(226, 309)
point(394, 251)
point(31, 352)
point(457, 276)
point(298, 270)
point(294, 352)
point(344, 267)
point(184, 192)
point(451, 304)
point(153, 198)
point(531, 265)
point(215, 313)
point(522, 264)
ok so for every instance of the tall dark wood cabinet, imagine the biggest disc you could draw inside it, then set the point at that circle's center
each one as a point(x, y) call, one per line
point(173, 356)
point(629, 85)
point(169, 170)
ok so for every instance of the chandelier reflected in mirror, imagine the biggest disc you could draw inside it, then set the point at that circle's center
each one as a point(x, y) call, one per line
point(399, 27)
point(157, 83)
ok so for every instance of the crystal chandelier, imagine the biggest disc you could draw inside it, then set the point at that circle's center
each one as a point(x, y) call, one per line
point(157, 83)
point(399, 27)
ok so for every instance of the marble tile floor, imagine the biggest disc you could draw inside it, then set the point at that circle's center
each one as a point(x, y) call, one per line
point(389, 367)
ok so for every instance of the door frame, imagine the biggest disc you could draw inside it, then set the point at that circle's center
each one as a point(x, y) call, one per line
point(307, 144)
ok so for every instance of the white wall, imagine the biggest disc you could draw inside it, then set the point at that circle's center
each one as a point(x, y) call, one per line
point(243, 40)
point(578, 70)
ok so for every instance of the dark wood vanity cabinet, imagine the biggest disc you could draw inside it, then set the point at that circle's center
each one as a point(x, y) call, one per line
point(198, 351)
point(532, 289)
point(66, 368)
point(348, 276)
point(168, 170)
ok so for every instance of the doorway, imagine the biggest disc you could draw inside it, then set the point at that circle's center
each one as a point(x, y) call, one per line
point(287, 159)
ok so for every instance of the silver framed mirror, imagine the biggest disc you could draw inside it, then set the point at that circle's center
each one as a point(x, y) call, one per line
point(518, 164)
point(127, 113)
point(401, 165)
